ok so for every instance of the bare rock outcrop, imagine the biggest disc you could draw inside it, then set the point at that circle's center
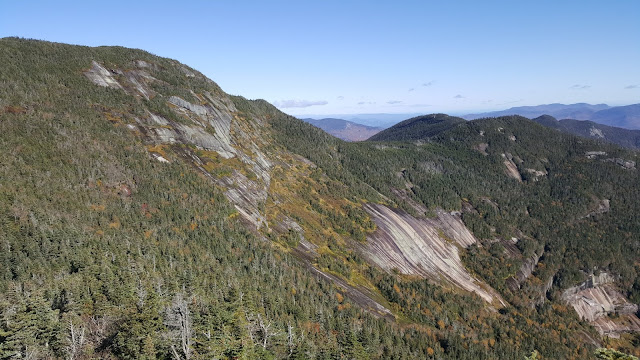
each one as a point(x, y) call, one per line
point(594, 154)
point(537, 174)
point(596, 299)
point(453, 228)
point(101, 76)
point(626, 164)
point(526, 269)
point(218, 119)
point(417, 247)
point(511, 168)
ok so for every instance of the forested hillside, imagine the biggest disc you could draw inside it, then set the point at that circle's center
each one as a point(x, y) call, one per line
point(145, 213)
point(418, 128)
point(589, 129)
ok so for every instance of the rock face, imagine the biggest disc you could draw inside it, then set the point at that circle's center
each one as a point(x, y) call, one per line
point(208, 125)
point(101, 76)
point(418, 247)
point(627, 164)
point(511, 168)
point(526, 269)
point(596, 299)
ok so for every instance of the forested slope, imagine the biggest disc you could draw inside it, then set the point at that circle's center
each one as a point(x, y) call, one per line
point(146, 214)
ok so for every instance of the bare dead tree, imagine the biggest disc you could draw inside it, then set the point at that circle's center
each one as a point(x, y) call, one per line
point(260, 330)
point(76, 340)
point(179, 319)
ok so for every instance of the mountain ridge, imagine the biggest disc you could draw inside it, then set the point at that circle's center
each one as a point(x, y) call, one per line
point(619, 116)
point(422, 127)
point(146, 208)
point(589, 129)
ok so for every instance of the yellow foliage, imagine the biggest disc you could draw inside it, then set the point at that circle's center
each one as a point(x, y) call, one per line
point(148, 233)
point(160, 149)
point(97, 207)
point(209, 166)
point(397, 289)
point(339, 297)
point(193, 226)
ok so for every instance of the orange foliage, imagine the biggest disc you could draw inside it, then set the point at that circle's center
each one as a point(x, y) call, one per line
point(97, 207)
point(397, 289)
point(157, 149)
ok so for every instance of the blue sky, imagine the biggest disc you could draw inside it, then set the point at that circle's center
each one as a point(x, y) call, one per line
point(343, 57)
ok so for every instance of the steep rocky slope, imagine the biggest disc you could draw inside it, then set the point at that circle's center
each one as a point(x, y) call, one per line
point(425, 247)
point(598, 301)
point(236, 152)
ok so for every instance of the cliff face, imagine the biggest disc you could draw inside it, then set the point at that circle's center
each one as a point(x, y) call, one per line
point(420, 247)
point(598, 301)
point(208, 129)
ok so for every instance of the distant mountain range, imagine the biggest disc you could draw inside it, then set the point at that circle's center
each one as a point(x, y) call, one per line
point(427, 126)
point(627, 117)
point(589, 129)
point(381, 120)
point(344, 129)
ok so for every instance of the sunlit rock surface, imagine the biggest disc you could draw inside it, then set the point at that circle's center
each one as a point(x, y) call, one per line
point(422, 247)
point(596, 299)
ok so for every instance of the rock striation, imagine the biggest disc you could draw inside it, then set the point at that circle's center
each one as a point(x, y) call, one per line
point(420, 247)
point(525, 270)
point(596, 299)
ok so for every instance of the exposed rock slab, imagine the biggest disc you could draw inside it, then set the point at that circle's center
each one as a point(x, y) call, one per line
point(596, 299)
point(626, 164)
point(526, 269)
point(101, 76)
point(416, 247)
point(453, 228)
point(511, 168)
point(218, 119)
